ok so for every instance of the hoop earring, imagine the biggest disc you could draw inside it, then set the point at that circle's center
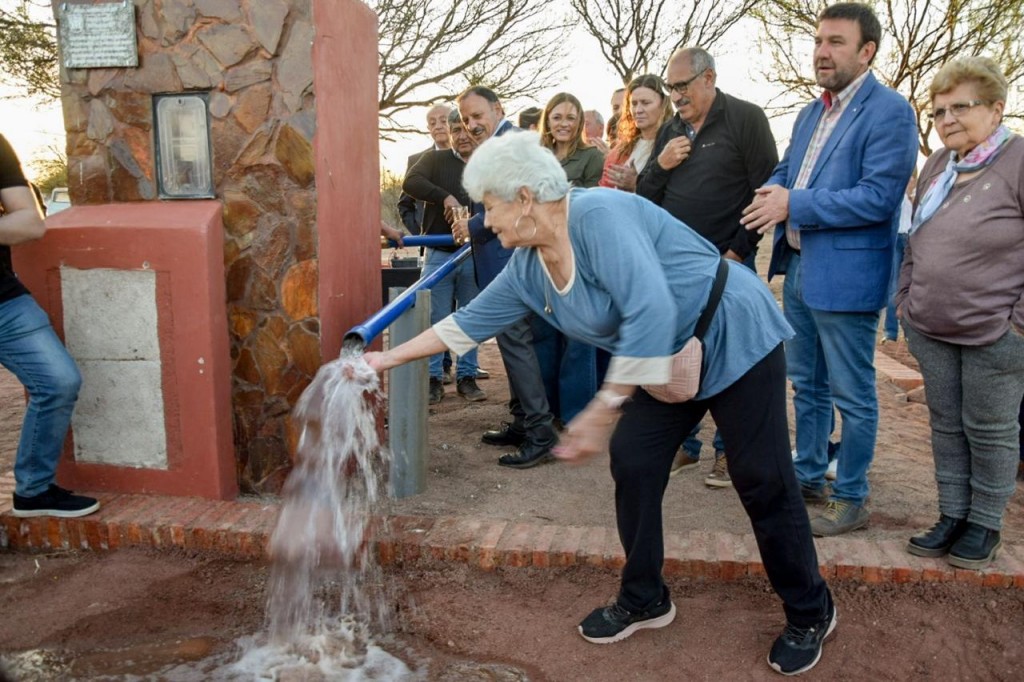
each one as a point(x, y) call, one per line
point(515, 227)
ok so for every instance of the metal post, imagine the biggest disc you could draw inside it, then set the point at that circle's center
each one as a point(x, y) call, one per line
point(407, 402)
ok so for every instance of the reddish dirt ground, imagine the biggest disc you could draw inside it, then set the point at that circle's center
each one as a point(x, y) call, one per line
point(133, 612)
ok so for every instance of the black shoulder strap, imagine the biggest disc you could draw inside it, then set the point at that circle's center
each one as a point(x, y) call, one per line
point(713, 298)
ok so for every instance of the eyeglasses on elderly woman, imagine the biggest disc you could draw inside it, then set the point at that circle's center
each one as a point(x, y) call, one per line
point(957, 109)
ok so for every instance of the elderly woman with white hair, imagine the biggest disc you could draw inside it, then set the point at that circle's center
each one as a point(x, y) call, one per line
point(616, 271)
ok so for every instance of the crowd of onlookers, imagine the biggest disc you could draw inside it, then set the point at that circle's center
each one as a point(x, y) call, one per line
point(596, 297)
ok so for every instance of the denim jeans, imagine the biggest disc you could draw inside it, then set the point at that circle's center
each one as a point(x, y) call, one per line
point(892, 325)
point(831, 359)
point(30, 349)
point(460, 285)
point(568, 367)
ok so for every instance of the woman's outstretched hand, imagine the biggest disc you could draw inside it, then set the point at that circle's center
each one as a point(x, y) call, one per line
point(588, 434)
point(375, 360)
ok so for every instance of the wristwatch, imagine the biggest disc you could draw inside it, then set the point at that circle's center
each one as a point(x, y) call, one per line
point(610, 399)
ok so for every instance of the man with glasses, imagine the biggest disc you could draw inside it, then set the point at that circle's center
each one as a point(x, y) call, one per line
point(707, 161)
point(834, 203)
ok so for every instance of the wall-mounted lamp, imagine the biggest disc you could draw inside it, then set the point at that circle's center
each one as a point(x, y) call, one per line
point(184, 159)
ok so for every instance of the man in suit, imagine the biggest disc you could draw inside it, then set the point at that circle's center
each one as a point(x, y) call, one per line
point(532, 429)
point(834, 201)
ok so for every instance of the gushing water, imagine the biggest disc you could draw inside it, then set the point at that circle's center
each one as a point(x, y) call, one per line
point(325, 589)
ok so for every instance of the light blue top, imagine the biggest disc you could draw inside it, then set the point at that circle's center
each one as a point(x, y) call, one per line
point(640, 279)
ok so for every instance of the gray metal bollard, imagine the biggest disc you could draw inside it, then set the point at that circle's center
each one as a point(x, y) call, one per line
point(407, 402)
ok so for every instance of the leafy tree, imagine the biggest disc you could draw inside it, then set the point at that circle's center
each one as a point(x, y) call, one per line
point(918, 37)
point(28, 51)
point(638, 36)
point(430, 51)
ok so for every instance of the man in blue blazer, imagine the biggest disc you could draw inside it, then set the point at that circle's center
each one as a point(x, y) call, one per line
point(833, 202)
point(532, 429)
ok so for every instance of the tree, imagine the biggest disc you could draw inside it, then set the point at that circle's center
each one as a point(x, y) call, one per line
point(431, 51)
point(51, 170)
point(638, 36)
point(28, 51)
point(918, 37)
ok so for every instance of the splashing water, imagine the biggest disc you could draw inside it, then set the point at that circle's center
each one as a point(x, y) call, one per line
point(320, 609)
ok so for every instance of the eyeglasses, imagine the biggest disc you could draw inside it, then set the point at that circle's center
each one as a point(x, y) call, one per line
point(682, 86)
point(958, 109)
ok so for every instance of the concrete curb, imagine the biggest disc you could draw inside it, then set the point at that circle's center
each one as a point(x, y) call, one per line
point(241, 530)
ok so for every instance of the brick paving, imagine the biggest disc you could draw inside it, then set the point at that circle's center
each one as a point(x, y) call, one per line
point(241, 529)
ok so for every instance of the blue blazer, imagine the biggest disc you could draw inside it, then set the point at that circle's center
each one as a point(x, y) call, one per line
point(849, 213)
point(489, 256)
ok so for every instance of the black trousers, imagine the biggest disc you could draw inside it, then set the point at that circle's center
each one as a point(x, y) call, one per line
point(751, 416)
point(529, 402)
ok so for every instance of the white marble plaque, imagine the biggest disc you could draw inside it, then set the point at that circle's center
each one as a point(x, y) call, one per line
point(98, 36)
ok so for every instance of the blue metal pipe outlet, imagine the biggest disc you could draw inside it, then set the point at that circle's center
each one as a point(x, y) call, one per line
point(366, 332)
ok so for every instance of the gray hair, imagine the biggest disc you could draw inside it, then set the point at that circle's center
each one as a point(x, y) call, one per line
point(454, 117)
point(503, 165)
point(699, 58)
point(597, 116)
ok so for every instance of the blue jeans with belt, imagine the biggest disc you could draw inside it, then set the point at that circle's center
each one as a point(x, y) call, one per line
point(831, 359)
point(31, 350)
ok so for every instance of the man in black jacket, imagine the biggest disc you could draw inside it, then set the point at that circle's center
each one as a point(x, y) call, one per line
point(707, 161)
point(436, 180)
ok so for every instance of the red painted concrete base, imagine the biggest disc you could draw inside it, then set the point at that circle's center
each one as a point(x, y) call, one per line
point(183, 244)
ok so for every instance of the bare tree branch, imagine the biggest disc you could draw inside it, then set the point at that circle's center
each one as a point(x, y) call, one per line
point(28, 51)
point(430, 51)
point(638, 36)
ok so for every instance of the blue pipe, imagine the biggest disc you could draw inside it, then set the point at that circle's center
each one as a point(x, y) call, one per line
point(425, 240)
point(364, 333)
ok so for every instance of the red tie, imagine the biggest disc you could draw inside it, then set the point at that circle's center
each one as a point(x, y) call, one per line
point(826, 97)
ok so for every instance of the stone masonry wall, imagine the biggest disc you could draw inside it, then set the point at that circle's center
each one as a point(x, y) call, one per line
point(253, 57)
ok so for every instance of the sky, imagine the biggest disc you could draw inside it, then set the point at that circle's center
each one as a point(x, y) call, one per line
point(32, 128)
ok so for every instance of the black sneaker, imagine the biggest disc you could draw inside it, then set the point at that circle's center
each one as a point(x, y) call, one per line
point(797, 650)
point(54, 502)
point(614, 623)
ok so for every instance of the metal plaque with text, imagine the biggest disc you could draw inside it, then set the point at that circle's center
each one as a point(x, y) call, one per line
point(98, 36)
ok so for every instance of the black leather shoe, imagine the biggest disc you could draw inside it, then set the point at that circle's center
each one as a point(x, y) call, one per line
point(975, 549)
point(529, 454)
point(506, 435)
point(938, 540)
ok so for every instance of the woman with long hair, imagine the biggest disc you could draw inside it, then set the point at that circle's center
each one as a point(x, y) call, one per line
point(647, 106)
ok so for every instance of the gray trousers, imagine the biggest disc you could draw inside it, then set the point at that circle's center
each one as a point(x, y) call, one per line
point(974, 394)
point(529, 402)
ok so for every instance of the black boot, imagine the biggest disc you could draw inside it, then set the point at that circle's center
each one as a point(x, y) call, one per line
point(938, 540)
point(508, 434)
point(976, 548)
point(530, 454)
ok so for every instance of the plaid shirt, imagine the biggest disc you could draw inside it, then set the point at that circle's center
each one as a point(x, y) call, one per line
point(835, 105)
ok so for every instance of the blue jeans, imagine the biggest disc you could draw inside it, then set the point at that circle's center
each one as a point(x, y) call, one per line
point(892, 325)
point(831, 359)
point(568, 367)
point(30, 349)
point(460, 285)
